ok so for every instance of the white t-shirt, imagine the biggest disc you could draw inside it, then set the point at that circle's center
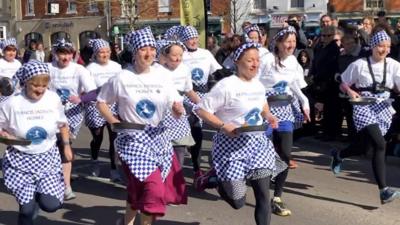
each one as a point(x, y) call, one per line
point(358, 73)
point(181, 78)
point(8, 69)
point(102, 73)
point(287, 79)
point(236, 101)
point(142, 99)
point(36, 121)
point(201, 64)
point(71, 80)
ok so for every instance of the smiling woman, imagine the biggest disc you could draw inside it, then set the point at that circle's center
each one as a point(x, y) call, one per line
point(35, 115)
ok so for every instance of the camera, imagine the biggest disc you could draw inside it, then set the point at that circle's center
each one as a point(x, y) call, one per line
point(292, 23)
point(378, 88)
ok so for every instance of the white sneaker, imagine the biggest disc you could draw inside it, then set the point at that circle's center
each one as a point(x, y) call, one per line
point(69, 194)
point(95, 170)
point(115, 176)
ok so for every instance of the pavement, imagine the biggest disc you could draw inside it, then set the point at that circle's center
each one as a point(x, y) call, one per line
point(312, 192)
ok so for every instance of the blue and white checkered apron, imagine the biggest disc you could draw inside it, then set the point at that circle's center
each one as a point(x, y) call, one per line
point(282, 110)
point(190, 106)
point(74, 115)
point(93, 118)
point(297, 113)
point(377, 113)
point(177, 128)
point(236, 158)
point(3, 98)
point(145, 151)
point(27, 174)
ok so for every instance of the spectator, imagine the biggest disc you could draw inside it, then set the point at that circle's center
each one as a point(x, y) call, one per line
point(301, 39)
point(40, 55)
point(212, 45)
point(29, 53)
point(365, 30)
point(325, 88)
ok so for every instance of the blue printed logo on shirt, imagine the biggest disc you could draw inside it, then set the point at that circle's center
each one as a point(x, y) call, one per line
point(64, 94)
point(145, 109)
point(253, 117)
point(37, 135)
point(197, 74)
point(280, 87)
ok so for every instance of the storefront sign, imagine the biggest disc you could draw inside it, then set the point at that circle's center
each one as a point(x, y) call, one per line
point(48, 25)
point(277, 21)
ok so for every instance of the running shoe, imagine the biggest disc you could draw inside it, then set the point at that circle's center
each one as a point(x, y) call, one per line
point(336, 162)
point(279, 208)
point(115, 176)
point(203, 182)
point(388, 195)
point(95, 168)
point(69, 194)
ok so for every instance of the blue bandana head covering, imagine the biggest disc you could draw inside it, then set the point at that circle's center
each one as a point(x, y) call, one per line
point(242, 48)
point(97, 44)
point(8, 42)
point(164, 44)
point(281, 33)
point(378, 38)
point(140, 38)
point(284, 31)
point(251, 28)
point(62, 43)
point(31, 69)
point(188, 32)
point(173, 33)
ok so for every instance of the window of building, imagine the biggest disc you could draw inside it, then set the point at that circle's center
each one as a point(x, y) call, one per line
point(58, 35)
point(85, 36)
point(297, 3)
point(71, 6)
point(3, 32)
point(164, 6)
point(260, 4)
point(30, 7)
point(373, 4)
point(33, 36)
point(93, 6)
point(208, 6)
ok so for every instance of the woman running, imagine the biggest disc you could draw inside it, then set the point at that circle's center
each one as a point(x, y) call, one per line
point(283, 76)
point(374, 76)
point(33, 173)
point(236, 101)
point(144, 96)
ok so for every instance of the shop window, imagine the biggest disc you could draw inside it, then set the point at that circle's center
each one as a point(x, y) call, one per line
point(33, 36)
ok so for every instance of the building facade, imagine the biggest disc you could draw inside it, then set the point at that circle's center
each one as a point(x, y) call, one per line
point(162, 14)
point(48, 20)
point(353, 11)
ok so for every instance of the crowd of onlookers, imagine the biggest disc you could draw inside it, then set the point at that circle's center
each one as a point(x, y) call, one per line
point(324, 57)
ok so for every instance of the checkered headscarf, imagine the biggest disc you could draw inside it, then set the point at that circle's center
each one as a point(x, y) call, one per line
point(62, 43)
point(7, 42)
point(97, 44)
point(188, 32)
point(140, 38)
point(239, 51)
point(31, 69)
point(163, 44)
point(289, 29)
point(378, 38)
point(251, 28)
point(173, 33)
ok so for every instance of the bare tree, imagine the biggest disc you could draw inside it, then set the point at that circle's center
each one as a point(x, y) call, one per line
point(133, 10)
point(238, 11)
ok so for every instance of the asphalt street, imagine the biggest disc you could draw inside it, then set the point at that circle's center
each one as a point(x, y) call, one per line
point(313, 193)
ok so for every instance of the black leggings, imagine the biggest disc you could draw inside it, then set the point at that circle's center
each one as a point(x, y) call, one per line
point(28, 212)
point(195, 150)
point(283, 142)
point(97, 134)
point(262, 213)
point(370, 138)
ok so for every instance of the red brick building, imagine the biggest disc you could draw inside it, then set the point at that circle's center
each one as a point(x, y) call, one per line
point(47, 20)
point(356, 9)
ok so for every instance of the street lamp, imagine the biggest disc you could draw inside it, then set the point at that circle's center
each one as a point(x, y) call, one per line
point(221, 21)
